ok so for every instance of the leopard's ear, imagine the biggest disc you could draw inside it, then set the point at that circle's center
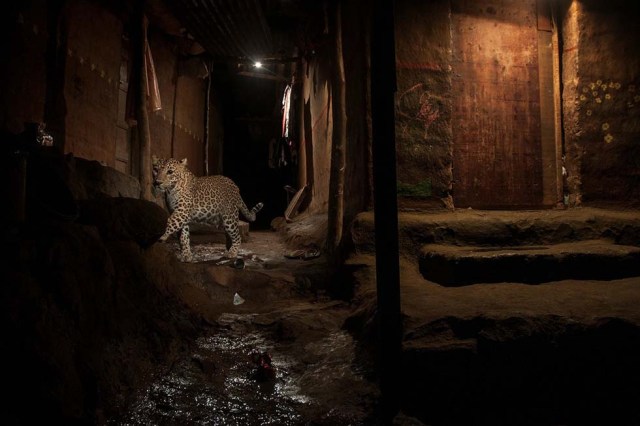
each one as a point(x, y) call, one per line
point(154, 160)
point(184, 161)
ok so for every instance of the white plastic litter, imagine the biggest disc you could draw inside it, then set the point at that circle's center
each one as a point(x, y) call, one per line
point(237, 300)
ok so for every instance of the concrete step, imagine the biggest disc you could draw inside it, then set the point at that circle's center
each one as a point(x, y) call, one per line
point(451, 265)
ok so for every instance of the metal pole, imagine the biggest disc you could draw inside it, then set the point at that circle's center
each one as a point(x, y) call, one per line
point(383, 88)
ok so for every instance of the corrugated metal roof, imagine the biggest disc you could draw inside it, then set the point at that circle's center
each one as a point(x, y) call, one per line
point(227, 28)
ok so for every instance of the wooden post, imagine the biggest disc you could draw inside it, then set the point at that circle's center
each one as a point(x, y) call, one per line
point(207, 111)
point(176, 80)
point(142, 113)
point(383, 87)
point(336, 180)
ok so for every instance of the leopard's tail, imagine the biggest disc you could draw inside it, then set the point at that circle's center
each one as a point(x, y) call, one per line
point(250, 215)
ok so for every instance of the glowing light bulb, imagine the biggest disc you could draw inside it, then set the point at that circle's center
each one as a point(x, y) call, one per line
point(258, 64)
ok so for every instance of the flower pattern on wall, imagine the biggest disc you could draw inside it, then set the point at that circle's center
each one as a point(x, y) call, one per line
point(599, 97)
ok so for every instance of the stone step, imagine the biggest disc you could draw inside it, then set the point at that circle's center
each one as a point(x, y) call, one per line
point(502, 228)
point(600, 259)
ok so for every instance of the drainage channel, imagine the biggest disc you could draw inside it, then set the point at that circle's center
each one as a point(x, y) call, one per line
point(311, 381)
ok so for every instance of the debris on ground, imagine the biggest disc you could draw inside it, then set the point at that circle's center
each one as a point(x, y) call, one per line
point(306, 253)
point(237, 300)
point(264, 369)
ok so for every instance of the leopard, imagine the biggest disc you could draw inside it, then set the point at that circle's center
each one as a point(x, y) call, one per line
point(213, 200)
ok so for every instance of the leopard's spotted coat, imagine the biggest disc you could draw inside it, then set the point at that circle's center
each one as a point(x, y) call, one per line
point(209, 199)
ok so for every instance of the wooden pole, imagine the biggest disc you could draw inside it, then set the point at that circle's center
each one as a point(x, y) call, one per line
point(339, 139)
point(383, 88)
point(144, 133)
point(207, 111)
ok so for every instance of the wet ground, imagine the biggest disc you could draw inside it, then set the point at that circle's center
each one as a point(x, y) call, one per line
point(311, 373)
point(558, 352)
point(220, 384)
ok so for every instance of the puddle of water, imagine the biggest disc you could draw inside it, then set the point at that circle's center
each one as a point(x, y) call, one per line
point(313, 385)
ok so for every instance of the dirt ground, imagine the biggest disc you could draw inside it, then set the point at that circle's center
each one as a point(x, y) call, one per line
point(110, 328)
point(535, 347)
point(557, 352)
point(273, 304)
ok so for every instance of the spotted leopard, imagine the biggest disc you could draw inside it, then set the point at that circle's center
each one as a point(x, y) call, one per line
point(209, 199)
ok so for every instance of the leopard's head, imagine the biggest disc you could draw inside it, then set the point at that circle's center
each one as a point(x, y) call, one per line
point(167, 172)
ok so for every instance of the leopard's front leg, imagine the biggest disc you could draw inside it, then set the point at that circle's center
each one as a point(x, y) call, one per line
point(176, 222)
point(185, 245)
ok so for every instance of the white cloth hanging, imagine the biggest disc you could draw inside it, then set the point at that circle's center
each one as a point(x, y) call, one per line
point(286, 105)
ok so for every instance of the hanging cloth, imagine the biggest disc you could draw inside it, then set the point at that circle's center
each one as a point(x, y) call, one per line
point(151, 82)
point(286, 104)
point(153, 90)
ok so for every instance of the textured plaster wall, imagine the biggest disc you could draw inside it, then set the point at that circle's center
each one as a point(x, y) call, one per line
point(571, 111)
point(189, 135)
point(602, 102)
point(95, 54)
point(91, 81)
point(316, 131)
point(179, 133)
point(423, 99)
point(161, 122)
point(94, 104)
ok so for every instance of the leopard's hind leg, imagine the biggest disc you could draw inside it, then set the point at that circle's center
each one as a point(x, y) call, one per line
point(232, 233)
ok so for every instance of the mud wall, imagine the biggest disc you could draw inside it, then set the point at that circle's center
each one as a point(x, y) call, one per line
point(190, 107)
point(601, 101)
point(177, 130)
point(316, 127)
point(94, 66)
point(467, 103)
point(91, 82)
point(161, 122)
point(423, 99)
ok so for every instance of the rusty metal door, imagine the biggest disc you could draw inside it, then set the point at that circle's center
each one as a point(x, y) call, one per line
point(496, 104)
